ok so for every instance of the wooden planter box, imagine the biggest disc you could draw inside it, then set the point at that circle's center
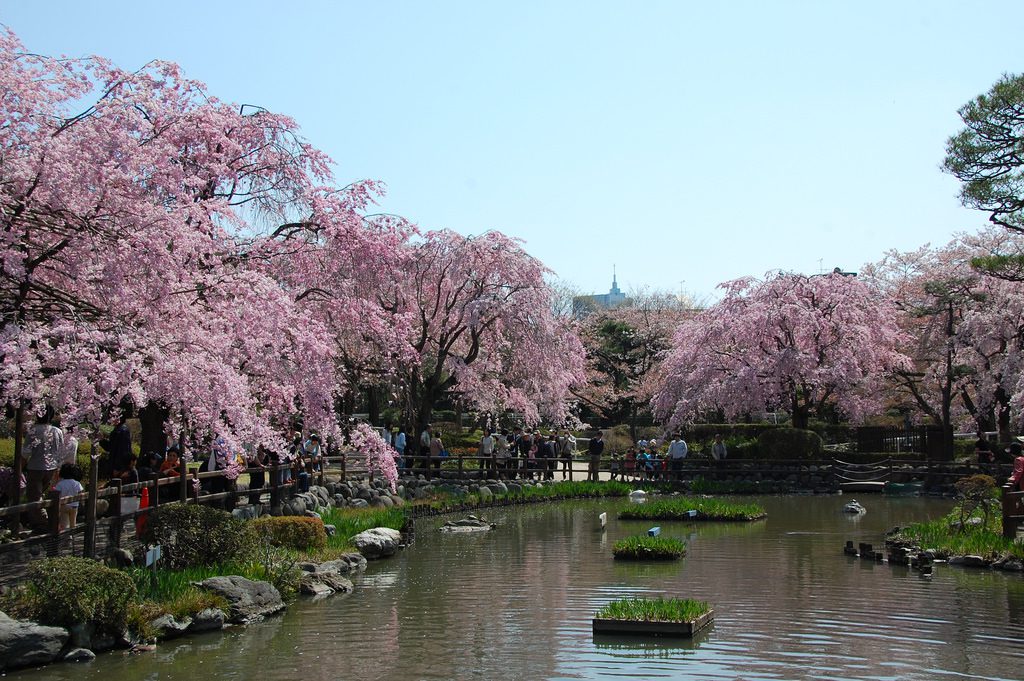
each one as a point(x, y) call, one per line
point(681, 629)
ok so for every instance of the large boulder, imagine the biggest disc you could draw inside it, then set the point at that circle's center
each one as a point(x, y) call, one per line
point(467, 524)
point(323, 584)
point(210, 619)
point(248, 601)
point(27, 644)
point(166, 626)
point(379, 542)
point(345, 564)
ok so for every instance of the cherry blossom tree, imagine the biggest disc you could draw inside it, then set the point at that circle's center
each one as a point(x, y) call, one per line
point(966, 331)
point(791, 342)
point(482, 328)
point(144, 242)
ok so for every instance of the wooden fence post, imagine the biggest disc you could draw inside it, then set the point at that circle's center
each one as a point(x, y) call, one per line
point(115, 512)
point(19, 466)
point(275, 486)
point(53, 521)
point(183, 484)
point(89, 550)
point(154, 496)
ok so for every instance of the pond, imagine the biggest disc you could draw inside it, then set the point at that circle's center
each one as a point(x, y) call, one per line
point(516, 603)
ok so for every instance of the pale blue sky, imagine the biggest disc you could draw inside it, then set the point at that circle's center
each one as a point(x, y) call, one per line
point(684, 142)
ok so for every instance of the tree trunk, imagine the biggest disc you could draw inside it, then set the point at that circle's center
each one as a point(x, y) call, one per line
point(153, 421)
point(373, 404)
point(19, 464)
point(800, 413)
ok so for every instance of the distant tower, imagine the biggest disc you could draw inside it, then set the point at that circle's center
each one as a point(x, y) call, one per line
point(583, 305)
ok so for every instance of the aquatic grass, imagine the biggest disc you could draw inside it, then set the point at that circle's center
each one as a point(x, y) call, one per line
point(947, 538)
point(644, 547)
point(166, 583)
point(349, 522)
point(678, 509)
point(654, 610)
point(579, 489)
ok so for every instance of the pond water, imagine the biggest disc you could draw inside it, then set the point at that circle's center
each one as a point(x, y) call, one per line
point(516, 603)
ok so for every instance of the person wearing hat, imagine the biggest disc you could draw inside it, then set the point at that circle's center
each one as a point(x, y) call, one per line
point(1017, 478)
point(425, 446)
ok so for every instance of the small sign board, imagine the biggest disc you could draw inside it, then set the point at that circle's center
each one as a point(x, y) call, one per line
point(153, 555)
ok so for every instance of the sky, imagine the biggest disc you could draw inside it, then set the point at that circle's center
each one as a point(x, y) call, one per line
point(683, 143)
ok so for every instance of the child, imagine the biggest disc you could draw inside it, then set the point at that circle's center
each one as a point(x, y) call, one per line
point(615, 466)
point(68, 485)
point(631, 463)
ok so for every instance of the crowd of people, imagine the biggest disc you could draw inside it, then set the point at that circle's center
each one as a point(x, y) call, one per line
point(50, 452)
point(505, 453)
point(535, 454)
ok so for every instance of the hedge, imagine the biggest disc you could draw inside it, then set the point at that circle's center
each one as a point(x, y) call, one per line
point(291, 532)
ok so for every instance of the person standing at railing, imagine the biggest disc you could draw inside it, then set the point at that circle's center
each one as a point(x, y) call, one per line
point(309, 461)
point(486, 453)
point(43, 452)
point(566, 446)
point(425, 438)
point(718, 450)
point(434, 451)
point(524, 445)
point(70, 444)
point(68, 485)
point(400, 448)
point(595, 448)
point(501, 447)
point(1017, 478)
point(255, 458)
point(677, 452)
point(119, 446)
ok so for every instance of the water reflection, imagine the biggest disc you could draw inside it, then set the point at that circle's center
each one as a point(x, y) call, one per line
point(517, 602)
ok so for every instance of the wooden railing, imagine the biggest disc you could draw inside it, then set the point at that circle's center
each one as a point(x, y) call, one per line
point(1013, 510)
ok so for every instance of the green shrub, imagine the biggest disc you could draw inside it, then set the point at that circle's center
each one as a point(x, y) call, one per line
point(291, 532)
point(193, 535)
point(789, 443)
point(67, 591)
point(644, 547)
point(976, 493)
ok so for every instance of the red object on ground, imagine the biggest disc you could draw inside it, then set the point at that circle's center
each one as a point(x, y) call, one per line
point(140, 521)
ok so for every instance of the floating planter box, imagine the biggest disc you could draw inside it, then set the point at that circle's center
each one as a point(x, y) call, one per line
point(660, 617)
point(649, 547)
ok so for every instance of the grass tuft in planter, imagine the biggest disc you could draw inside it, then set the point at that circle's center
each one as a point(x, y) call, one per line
point(644, 547)
point(679, 508)
point(655, 617)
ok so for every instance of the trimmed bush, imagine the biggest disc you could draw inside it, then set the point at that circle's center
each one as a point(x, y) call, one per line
point(291, 532)
point(789, 443)
point(67, 591)
point(194, 535)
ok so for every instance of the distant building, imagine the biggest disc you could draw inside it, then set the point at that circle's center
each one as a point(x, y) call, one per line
point(583, 305)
